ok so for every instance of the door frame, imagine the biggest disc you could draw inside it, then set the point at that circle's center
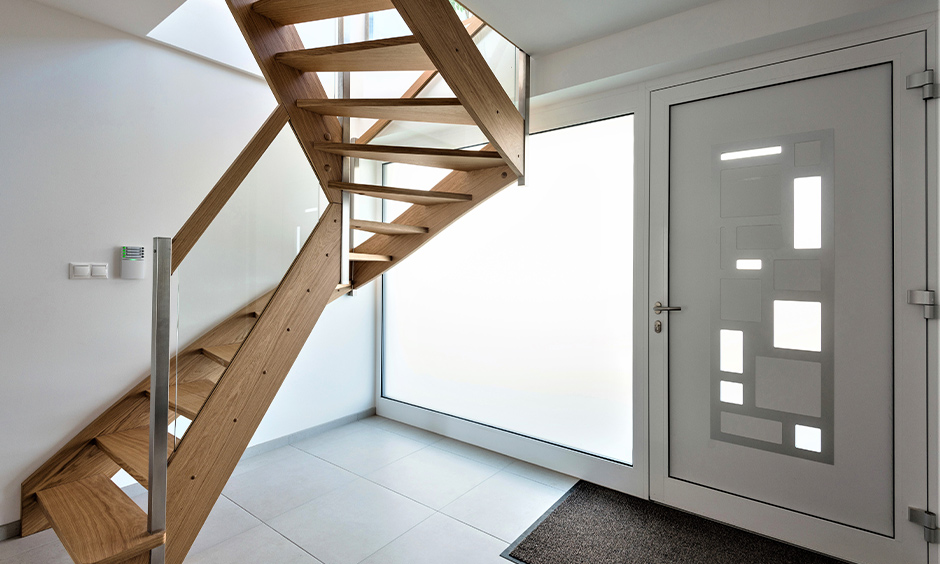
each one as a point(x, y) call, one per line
point(910, 461)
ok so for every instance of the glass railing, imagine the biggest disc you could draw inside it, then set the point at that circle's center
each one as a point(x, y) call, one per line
point(225, 280)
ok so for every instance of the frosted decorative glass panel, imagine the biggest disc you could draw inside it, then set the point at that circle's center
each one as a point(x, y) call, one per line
point(497, 319)
point(771, 318)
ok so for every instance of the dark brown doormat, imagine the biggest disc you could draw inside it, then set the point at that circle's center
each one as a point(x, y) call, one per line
point(595, 525)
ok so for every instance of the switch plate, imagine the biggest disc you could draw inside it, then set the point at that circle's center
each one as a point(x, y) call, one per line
point(79, 270)
point(99, 270)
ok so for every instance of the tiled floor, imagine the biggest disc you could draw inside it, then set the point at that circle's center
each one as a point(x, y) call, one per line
point(375, 491)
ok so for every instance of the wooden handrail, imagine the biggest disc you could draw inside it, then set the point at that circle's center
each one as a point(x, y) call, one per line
point(474, 26)
point(210, 207)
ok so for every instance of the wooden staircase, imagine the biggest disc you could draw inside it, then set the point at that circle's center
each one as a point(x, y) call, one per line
point(228, 377)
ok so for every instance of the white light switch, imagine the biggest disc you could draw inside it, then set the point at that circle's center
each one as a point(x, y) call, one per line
point(99, 270)
point(79, 270)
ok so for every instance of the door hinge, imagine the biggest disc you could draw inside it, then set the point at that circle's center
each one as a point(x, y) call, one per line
point(924, 81)
point(928, 521)
point(926, 298)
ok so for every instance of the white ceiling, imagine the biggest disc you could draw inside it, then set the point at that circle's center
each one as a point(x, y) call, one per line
point(540, 27)
point(537, 26)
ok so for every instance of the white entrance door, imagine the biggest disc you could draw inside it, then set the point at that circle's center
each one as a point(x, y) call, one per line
point(788, 392)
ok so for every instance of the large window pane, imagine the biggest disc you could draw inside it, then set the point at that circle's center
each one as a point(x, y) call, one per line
point(520, 315)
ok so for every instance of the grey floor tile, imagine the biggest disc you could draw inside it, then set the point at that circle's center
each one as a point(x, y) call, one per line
point(404, 430)
point(226, 521)
point(20, 545)
point(542, 475)
point(504, 505)
point(331, 435)
point(366, 450)
point(273, 489)
point(49, 553)
point(255, 462)
point(441, 539)
point(487, 457)
point(432, 476)
point(351, 523)
point(259, 545)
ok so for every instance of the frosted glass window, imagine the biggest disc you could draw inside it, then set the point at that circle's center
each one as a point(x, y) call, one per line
point(732, 351)
point(482, 322)
point(808, 438)
point(798, 325)
point(732, 392)
point(751, 153)
point(749, 264)
point(807, 213)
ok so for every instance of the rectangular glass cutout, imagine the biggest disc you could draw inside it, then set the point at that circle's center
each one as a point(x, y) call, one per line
point(750, 264)
point(732, 351)
point(732, 392)
point(808, 438)
point(752, 427)
point(807, 213)
point(798, 325)
point(751, 153)
point(759, 237)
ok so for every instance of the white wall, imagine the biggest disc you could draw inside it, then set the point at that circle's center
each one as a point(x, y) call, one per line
point(722, 31)
point(107, 139)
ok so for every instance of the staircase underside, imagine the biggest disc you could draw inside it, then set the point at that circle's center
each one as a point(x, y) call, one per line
point(229, 376)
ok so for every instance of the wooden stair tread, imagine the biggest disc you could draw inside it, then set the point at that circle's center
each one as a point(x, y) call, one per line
point(368, 257)
point(131, 449)
point(431, 110)
point(288, 12)
point(188, 398)
point(395, 54)
point(96, 522)
point(453, 159)
point(223, 354)
point(421, 197)
point(386, 228)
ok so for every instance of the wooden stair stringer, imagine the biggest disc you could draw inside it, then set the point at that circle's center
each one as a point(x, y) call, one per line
point(480, 184)
point(266, 39)
point(440, 32)
point(81, 458)
point(215, 440)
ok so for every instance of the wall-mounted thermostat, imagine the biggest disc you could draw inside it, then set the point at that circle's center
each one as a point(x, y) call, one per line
point(133, 263)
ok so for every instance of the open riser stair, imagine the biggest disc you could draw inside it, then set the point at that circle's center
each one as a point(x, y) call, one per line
point(225, 380)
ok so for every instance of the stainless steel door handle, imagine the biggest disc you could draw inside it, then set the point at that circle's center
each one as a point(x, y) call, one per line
point(659, 308)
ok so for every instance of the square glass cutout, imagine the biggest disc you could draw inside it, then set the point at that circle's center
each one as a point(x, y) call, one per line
point(732, 392)
point(807, 213)
point(749, 264)
point(798, 325)
point(732, 351)
point(808, 438)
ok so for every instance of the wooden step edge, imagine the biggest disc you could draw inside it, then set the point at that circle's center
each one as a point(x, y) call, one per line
point(288, 12)
point(368, 257)
point(131, 450)
point(340, 291)
point(387, 228)
point(223, 354)
point(421, 197)
point(96, 522)
point(454, 159)
point(392, 54)
point(428, 110)
point(188, 398)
